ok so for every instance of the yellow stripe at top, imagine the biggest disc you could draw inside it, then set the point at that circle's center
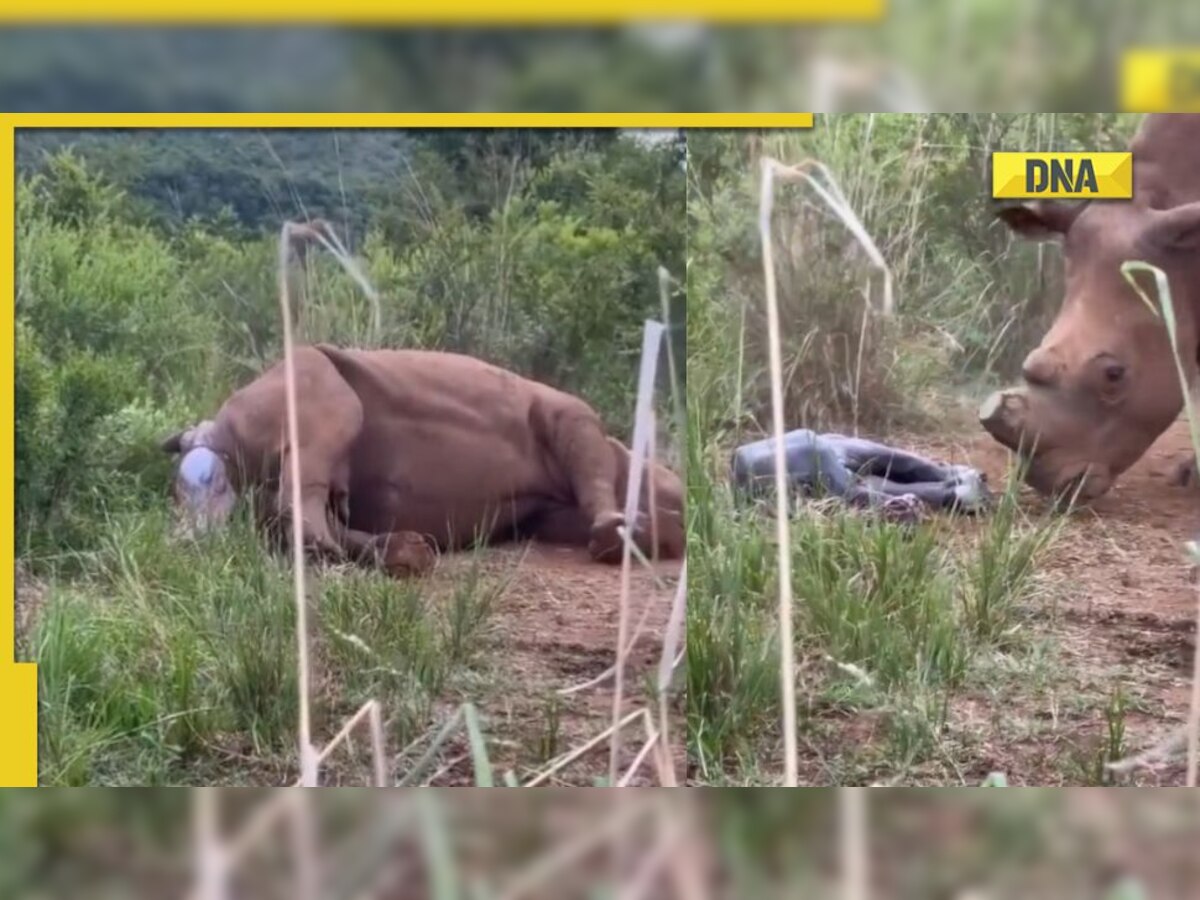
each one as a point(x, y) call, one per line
point(411, 120)
point(446, 12)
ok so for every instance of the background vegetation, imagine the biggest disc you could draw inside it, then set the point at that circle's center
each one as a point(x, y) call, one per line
point(893, 629)
point(1090, 845)
point(929, 54)
point(146, 292)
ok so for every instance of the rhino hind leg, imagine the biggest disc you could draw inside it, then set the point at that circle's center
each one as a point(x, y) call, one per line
point(570, 526)
point(576, 440)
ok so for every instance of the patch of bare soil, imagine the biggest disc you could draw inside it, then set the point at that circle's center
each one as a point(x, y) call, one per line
point(556, 627)
point(1126, 609)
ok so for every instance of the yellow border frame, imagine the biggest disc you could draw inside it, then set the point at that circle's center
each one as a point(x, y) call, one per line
point(448, 12)
point(650, 120)
point(18, 681)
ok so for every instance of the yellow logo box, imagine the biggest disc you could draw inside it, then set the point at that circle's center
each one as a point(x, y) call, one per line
point(1104, 176)
point(1160, 80)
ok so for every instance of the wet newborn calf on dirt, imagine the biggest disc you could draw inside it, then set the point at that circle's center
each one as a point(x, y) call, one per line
point(862, 473)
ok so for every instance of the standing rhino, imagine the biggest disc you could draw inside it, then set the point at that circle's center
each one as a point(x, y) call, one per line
point(1102, 385)
point(405, 451)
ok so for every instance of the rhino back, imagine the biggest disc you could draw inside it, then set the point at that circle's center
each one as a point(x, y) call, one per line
point(445, 437)
point(251, 426)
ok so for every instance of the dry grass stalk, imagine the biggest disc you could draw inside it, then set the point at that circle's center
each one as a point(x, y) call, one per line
point(570, 756)
point(652, 337)
point(833, 197)
point(855, 875)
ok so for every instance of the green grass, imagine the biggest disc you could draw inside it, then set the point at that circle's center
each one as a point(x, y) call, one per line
point(176, 663)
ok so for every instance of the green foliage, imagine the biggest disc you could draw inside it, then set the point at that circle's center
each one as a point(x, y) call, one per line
point(971, 300)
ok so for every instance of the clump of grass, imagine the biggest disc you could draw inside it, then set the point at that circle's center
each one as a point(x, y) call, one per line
point(877, 596)
point(1000, 573)
point(732, 655)
point(1092, 766)
point(169, 659)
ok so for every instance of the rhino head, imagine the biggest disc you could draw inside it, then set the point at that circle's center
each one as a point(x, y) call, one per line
point(1102, 385)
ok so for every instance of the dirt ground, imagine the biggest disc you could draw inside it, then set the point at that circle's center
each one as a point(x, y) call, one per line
point(1126, 612)
point(556, 627)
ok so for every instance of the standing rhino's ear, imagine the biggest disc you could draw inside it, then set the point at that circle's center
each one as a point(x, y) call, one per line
point(173, 444)
point(1041, 220)
point(1177, 228)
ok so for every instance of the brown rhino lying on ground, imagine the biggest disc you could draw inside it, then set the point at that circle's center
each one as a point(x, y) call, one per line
point(1103, 385)
point(405, 451)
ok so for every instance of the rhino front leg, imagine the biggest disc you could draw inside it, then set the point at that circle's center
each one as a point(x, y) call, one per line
point(401, 553)
point(320, 531)
point(579, 445)
point(569, 526)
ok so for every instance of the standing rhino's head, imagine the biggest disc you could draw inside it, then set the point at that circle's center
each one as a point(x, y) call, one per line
point(1102, 385)
point(203, 496)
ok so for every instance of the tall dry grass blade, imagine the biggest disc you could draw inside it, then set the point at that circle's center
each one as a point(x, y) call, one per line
point(672, 649)
point(787, 668)
point(378, 748)
point(569, 757)
point(308, 756)
point(570, 851)
point(836, 201)
point(853, 807)
point(652, 336)
point(1194, 715)
point(328, 238)
point(652, 739)
point(840, 206)
point(372, 714)
point(308, 872)
point(1166, 309)
point(209, 857)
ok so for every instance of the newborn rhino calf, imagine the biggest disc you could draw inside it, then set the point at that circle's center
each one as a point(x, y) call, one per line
point(862, 473)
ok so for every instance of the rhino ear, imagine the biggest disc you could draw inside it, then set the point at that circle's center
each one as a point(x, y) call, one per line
point(1177, 228)
point(1042, 220)
point(173, 444)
